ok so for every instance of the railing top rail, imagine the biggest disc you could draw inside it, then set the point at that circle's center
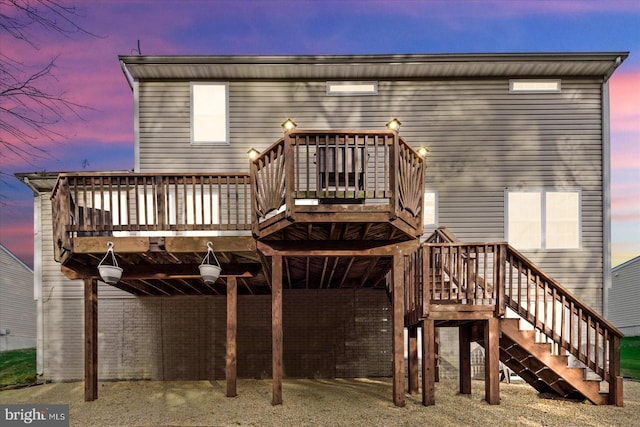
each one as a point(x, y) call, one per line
point(349, 132)
point(56, 187)
point(562, 290)
point(111, 174)
point(444, 234)
point(410, 148)
point(148, 174)
point(459, 243)
point(264, 152)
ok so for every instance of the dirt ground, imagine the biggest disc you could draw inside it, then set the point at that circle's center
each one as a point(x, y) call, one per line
point(353, 402)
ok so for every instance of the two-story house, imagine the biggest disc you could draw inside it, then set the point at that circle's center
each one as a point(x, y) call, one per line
point(346, 199)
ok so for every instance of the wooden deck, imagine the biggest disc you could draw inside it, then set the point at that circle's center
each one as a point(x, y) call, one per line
point(472, 286)
point(327, 210)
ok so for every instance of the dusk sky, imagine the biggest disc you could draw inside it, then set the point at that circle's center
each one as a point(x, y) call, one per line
point(88, 72)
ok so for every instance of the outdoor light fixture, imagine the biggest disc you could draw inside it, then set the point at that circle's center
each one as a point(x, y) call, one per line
point(208, 271)
point(110, 273)
point(394, 124)
point(253, 153)
point(288, 125)
point(422, 151)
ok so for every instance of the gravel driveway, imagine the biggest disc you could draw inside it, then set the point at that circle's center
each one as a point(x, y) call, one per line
point(335, 402)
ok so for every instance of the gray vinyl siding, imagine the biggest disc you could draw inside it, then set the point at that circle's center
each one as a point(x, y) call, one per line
point(624, 297)
point(54, 284)
point(481, 138)
point(63, 308)
point(17, 306)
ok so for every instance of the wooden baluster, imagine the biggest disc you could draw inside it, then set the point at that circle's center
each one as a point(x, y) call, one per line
point(545, 311)
point(519, 301)
point(110, 189)
point(595, 358)
point(580, 334)
point(161, 201)
point(554, 317)
point(588, 350)
point(571, 323)
point(450, 270)
point(427, 266)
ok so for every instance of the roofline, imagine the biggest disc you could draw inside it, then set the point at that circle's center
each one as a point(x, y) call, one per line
point(348, 67)
point(376, 58)
point(12, 255)
point(631, 261)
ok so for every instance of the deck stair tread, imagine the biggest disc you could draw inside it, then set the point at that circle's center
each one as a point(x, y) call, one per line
point(534, 362)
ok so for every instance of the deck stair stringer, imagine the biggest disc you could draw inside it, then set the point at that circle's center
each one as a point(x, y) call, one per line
point(546, 372)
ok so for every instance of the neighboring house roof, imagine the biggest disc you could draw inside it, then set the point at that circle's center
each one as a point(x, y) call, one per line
point(18, 260)
point(624, 297)
point(41, 182)
point(625, 264)
point(359, 67)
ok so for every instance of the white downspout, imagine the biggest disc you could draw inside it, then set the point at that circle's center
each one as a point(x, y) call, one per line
point(606, 199)
point(37, 284)
point(136, 125)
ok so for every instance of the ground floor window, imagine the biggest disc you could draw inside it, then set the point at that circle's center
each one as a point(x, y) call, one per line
point(543, 219)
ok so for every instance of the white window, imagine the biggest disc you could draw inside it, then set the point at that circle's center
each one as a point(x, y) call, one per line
point(209, 113)
point(352, 88)
point(562, 219)
point(429, 209)
point(534, 86)
point(545, 219)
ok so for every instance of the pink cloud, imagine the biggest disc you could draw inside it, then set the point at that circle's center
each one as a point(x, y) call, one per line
point(12, 236)
point(441, 9)
point(625, 101)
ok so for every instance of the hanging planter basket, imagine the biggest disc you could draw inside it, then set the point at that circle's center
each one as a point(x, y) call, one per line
point(208, 271)
point(109, 270)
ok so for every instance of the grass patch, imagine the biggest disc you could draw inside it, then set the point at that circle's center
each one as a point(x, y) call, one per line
point(630, 357)
point(18, 367)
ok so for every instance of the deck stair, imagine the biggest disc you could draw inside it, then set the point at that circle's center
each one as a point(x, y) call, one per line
point(564, 347)
point(546, 372)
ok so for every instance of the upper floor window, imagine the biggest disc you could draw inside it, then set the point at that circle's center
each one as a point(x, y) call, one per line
point(544, 219)
point(534, 86)
point(209, 113)
point(352, 88)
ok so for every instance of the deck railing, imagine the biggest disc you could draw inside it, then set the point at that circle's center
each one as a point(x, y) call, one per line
point(86, 204)
point(334, 167)
point(467, 273)
point(561, 317)
point(455, 273)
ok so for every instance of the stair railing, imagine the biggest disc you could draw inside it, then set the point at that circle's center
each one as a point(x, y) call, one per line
point(561, 316)
point(464, 273)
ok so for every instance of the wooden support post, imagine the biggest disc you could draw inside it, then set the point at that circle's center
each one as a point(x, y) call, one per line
point(436, 359)
point(398, 330)
point(414, 369)
point(90, 339)
point(491, 361)
point(428, 362)
point(232, 325)
point(615, 380)
point(276, 328)
point(464, 335)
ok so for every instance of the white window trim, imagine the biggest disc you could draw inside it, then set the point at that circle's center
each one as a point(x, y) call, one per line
point(226, 112)
point(532, 83)
point(435, 210)
point(543, 229)
point(346, 88)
